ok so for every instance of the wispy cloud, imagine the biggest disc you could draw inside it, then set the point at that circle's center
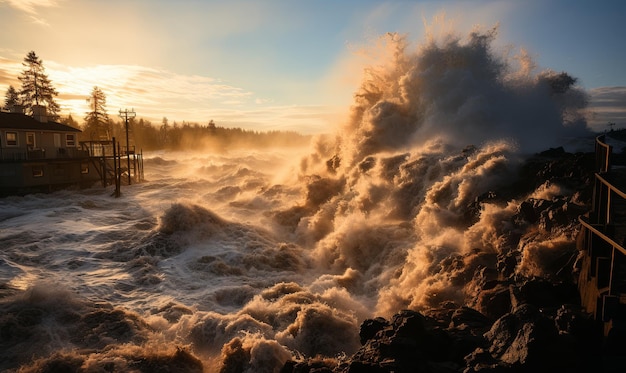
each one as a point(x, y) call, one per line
point(32, 7)
point(607, 105)
point(149, 89)
point(157, 93)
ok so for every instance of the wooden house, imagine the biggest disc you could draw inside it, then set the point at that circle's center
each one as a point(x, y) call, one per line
point(40, 155)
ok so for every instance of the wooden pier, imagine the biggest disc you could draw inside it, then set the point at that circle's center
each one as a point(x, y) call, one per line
point(114, 164)
point(602, 279)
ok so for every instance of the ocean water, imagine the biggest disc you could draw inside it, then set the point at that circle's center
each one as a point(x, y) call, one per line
point(241, 260)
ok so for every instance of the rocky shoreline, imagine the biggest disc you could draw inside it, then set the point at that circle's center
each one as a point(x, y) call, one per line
point(515, 323)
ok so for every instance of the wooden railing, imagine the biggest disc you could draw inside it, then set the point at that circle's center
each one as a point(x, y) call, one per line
point(602, 279)
point(49, 153)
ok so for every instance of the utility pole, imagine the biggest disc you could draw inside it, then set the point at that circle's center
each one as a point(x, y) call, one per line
point(126, 114)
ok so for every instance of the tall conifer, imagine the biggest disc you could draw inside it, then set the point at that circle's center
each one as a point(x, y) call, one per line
point(97, 120)
point(37, 88)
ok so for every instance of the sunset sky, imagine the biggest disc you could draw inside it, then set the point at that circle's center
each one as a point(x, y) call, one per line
point(281, 64)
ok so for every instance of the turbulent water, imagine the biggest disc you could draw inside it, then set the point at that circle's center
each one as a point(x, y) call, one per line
point(242, 260)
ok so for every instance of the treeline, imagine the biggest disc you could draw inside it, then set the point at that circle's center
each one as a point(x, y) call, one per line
point(188, 136)
point(37, 90)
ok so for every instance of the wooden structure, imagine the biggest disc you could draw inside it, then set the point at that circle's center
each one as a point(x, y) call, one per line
point(38, 155)
point(602, 280)
point(106, 159)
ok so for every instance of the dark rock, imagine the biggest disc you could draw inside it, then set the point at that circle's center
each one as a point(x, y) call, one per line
point(466, 317)
point(408, 323)
point(494, 302)
point(526, 338)
point(370, 327)
point(366, 367)
point(544, 294)
point(507, 262)
point(481, 360)
point(309, 366)
point(527, 212)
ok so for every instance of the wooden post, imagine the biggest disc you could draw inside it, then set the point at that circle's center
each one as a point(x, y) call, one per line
point(104, 167)
point(116, 171)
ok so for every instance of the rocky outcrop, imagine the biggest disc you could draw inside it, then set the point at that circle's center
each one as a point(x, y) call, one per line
point(537, 335)
point(516, 322)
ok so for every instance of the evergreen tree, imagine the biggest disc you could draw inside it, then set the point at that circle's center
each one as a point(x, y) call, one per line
point(36, 87)
point(97, 120)
point(12, 98)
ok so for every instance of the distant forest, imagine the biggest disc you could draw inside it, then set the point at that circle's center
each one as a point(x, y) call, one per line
point(187, 135)
point(37, 90)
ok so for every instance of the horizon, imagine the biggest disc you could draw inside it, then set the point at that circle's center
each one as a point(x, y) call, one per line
point(293, 67)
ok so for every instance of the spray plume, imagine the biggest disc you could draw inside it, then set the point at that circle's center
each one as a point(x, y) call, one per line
point(408, 182)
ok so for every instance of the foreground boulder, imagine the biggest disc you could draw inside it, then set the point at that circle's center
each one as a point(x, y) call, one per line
point(528, 339)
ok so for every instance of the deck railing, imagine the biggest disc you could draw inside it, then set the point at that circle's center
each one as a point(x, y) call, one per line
point(21, 154)
point(602, 280)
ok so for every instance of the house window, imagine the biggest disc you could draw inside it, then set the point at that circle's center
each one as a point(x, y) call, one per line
point(11, 138)
point(30, 139)
point(37, 171)
point(57, 140)
point(70, 139)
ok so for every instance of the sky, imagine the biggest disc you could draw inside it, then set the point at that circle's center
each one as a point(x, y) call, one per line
point(283, 64)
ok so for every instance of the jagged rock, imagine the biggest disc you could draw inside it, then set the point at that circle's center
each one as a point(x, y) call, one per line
point(481, 360)
point(314, 366)
point(528, 339)
point(507, 262)
point(466, 317)
point(370, 327)
point(494, 301)
point(527, 212)
point(544, 294)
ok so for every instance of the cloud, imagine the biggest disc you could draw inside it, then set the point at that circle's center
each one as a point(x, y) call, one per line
point(156, 93)
point(149, 89)
point(9, 71)
point(607, 105)
point(31, 7)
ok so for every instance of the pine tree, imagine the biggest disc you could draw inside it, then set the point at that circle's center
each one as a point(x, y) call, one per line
point(36, 87)
point(12, 98)
point(97, 120)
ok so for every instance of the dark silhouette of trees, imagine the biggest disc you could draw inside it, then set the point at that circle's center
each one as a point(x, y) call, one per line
point(164, 133)
point(37, 88)
point(70, 121)
point(195, 137)
point(97, 120)
point(12, 98)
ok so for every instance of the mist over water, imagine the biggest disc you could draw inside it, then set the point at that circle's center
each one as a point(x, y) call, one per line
point(246, 259)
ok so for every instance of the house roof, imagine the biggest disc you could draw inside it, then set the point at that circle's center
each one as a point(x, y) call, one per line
point(20, 121)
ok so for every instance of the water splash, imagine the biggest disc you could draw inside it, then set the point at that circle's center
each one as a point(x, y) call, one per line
point(243, 261)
